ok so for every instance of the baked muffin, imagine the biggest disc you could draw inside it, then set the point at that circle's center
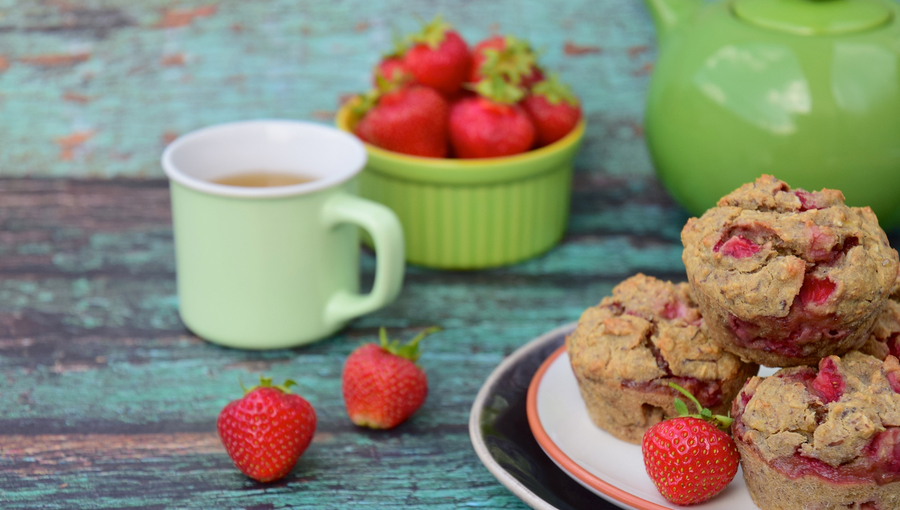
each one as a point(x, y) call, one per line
point(786, 277)
point(826, 439)
point(885, 337)
point(626, 350)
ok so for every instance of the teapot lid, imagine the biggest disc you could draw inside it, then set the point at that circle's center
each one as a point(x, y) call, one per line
point(814, 17)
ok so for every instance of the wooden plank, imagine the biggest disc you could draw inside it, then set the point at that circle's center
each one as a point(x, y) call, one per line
point(106, 401)
point(113, 81)
point(116, 472)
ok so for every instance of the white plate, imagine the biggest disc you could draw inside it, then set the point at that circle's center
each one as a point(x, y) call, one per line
point(605, 465)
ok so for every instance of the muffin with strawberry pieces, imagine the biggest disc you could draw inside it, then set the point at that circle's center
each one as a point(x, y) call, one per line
point(626, 350)
point(827, 439)
point(885, 337)
point(785, 277)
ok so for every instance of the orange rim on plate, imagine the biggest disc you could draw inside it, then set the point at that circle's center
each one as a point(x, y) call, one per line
point(570, 466)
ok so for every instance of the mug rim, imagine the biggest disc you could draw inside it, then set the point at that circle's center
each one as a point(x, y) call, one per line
point(177, 175)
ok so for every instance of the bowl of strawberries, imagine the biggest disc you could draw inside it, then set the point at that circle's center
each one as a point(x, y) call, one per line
point(472, 148)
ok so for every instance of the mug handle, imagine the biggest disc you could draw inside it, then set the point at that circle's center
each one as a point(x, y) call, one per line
point(387, 234)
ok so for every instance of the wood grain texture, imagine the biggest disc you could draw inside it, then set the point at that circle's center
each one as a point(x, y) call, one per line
point(99, 87)
point(106, 401)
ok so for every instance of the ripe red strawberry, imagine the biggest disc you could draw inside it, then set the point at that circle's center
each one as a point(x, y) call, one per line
point(407, 119)
point(508, 56)
point(266, 430)
point(490, 124)
point(391, 68)
point(688, 458)
point(553, 108)
point(438, 57)
point(382, 385)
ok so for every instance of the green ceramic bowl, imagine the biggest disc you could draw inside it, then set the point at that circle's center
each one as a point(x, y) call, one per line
point(473, 213)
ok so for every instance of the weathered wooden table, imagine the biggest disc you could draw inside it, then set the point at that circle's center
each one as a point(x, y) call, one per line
point(107, 401)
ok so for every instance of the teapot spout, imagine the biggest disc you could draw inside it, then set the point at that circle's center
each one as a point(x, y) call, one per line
point(668, 14)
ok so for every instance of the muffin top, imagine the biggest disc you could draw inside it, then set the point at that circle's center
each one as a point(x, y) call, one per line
point(647, 329)
point(765, 245)
point(844, 415)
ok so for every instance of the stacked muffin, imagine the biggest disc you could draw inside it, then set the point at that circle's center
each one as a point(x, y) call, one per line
point(781, 278)
point(627, 349)
point(786, 277)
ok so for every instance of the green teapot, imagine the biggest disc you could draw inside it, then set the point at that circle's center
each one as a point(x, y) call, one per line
point(805, 90)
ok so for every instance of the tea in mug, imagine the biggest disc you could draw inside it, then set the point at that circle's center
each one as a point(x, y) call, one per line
point(262, 179)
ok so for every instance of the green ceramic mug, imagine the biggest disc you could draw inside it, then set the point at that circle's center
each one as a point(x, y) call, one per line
point(278, 266)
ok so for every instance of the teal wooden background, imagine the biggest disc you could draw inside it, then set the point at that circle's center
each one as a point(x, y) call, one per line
point(96, 88)
point(107, 401)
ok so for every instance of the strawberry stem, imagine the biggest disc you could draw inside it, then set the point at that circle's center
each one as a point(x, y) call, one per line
point(384, 85)
point(555, 91)
point(722, 422)
point(400, 44)
point(365, 102)
point(514, 61)
point(432, 33)
point(495, 88)
point(408, 350)
point(266, 382)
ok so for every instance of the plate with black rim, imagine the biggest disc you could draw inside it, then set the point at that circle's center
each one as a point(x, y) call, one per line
point(502, 438)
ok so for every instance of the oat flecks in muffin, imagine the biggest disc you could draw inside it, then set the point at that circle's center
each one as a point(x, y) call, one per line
point(790, 404)
point(619, 339)
point(614, 348)
point(781, 408)
point(885, 337)
point(785, 277)
point(824, 440)
point(626, 349)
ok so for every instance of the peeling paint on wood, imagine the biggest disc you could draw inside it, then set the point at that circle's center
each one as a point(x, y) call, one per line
point(573, 49)
point(55, 60)
point(76, 97)
point(59, 449)
point(174, 59)
point(107, 401)
point(70, 143)
point(133, 73)
point(175, 17)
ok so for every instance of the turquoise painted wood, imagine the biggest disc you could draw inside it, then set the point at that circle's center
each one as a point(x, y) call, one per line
point(107, 401)
point(97, 88)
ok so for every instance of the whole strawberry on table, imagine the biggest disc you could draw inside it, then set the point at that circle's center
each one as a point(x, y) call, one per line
point(434, 97)
point(267, 430)
point(381, 383)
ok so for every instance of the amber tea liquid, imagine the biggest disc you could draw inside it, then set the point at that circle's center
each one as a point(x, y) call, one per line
point(262, 179)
